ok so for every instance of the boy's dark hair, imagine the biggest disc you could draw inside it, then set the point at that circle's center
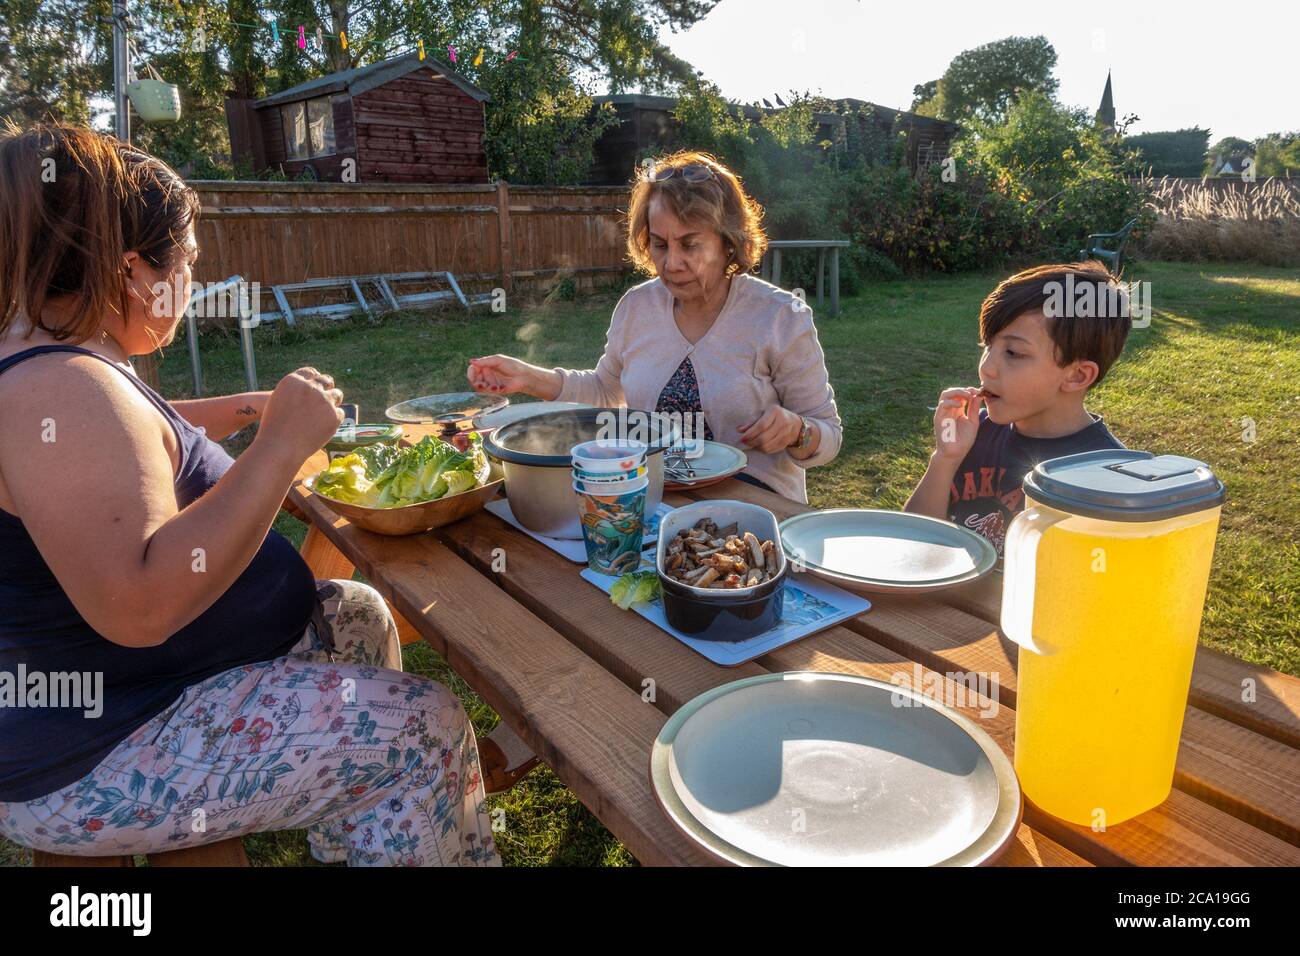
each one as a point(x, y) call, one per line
point(1095, 334)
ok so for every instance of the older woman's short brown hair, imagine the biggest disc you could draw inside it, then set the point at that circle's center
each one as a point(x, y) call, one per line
point(718, 203)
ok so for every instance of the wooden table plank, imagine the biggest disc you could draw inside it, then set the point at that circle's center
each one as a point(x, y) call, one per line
point(549, 586)
point(628, 644)
point(1237, 770)
point(1034, 849)
point(1266, 701)
point(1259, 698)
point(593, 731)
point(1199, 833)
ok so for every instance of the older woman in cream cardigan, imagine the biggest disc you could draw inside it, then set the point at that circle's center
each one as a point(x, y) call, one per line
point(704, 336)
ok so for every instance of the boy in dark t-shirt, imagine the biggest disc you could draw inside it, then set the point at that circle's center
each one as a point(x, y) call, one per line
point(1043, 350)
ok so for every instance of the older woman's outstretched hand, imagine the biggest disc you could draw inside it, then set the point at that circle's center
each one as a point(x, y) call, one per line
point(776, 429)
point(501, 374)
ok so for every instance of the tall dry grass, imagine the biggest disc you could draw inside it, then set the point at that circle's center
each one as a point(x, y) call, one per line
point(1228, 222)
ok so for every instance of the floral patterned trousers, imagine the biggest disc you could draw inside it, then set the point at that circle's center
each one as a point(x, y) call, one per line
point(380, 766)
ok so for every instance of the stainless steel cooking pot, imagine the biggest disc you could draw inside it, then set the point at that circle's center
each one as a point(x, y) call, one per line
point(535, 455)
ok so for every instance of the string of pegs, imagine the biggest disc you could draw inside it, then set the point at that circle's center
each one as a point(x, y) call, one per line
point(320, 36)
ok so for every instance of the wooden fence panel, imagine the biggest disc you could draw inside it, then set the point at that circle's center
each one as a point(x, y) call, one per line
point(289, 232)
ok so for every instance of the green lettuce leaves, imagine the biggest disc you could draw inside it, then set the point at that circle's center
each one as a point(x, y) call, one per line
point(385, 476)
point(634, 588)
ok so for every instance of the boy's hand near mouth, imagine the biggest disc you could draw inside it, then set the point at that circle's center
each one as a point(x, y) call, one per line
point(956, 423)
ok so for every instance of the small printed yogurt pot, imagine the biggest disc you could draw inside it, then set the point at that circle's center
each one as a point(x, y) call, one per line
point(611, 487)
point(598, 476)
point(601, 456)
point(613, 528)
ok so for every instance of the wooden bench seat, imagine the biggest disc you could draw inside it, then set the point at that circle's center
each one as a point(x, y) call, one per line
point(228, 852)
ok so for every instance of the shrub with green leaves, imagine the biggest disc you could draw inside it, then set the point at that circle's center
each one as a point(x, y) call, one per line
point(1071, 178)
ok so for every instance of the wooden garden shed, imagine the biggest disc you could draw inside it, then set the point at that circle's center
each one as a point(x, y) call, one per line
point(402, 120)
point(647, 126)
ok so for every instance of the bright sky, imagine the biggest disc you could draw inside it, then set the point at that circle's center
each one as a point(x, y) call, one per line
point(1232, 67)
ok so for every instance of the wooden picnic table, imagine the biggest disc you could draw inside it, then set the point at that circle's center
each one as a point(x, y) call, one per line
point(569, 674)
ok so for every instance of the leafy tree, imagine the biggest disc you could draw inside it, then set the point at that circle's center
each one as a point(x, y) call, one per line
point(1055, 161)
point(923, 93)
point(55, 58)
point(1278, 154)
point(710, 123)
point(541, 127)
point(52, 59)
point(1172, 152)
point(982, 84)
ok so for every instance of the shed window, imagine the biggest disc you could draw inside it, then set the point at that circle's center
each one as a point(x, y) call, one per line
point(308, 128)
point(320, 127)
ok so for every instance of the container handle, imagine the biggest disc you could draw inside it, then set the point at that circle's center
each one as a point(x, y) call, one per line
point(1019, 575)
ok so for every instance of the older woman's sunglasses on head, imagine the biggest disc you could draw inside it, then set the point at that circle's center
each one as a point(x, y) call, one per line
point(691, 172)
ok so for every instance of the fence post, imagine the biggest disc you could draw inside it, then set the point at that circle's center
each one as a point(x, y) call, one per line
point(503, 231)
point(146, 369)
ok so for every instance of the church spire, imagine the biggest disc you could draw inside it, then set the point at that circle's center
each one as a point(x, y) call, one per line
point(1106, 112)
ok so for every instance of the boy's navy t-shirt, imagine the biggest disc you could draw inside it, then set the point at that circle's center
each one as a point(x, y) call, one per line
point(986, 492)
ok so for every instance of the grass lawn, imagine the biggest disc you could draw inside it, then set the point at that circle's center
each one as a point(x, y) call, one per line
point(1223, 347)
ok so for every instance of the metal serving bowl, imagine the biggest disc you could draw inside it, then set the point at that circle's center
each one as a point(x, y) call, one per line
point(732, 614)
point(539, 482)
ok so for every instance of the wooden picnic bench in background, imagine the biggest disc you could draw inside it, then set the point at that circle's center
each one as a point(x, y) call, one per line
point(771, 267)
point(588, 688)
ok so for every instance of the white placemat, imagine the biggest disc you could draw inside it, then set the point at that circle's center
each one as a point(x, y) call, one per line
point(571, 548)
point(811, 605)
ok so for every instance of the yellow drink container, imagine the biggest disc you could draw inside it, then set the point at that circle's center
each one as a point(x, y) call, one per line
point(1104, 584)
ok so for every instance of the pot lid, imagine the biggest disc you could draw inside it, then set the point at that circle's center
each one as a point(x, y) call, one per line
point(547, 439)
point(448, 408)
point(514, 413)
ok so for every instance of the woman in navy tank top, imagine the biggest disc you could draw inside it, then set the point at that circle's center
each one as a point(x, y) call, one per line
point(170, 673)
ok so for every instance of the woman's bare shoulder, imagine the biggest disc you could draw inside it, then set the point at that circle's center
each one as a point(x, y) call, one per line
point(73, 413)
point(57, 377)
point(72, 391)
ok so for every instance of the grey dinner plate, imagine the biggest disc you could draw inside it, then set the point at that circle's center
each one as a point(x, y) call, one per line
point(813, 769)
point(716, 462)
point(886, 551)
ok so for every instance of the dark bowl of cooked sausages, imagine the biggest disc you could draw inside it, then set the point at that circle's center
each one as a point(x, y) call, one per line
point(721, 569)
